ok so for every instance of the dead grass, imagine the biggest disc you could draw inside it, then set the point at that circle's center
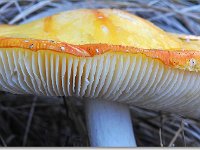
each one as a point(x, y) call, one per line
point(45, 121)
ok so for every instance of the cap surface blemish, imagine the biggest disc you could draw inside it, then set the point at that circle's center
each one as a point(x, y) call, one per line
point(104, 29)
point(31, 46)
point(192, 62)
point(62, 48)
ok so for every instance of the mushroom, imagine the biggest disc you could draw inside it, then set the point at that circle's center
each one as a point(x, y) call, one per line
point(110, 59)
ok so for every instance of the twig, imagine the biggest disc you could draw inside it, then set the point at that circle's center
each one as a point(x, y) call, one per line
point(30, 10)
point(19, 8)
point(161, 129)
point(184, 10)
point(160, 135)
point(80, 126)
point(175, 136)
point(29, 121)
point(5, 6)
point(183, 132)
point(2, 141)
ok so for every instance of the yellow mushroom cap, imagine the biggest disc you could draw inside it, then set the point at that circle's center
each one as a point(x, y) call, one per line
point(102, 54)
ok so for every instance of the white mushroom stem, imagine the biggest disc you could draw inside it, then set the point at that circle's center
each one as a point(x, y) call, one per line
point(109, 124)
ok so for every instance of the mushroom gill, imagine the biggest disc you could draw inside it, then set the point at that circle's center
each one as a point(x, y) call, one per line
point(102, 54)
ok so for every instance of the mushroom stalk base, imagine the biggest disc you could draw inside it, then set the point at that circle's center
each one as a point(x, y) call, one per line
point(109, 124)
